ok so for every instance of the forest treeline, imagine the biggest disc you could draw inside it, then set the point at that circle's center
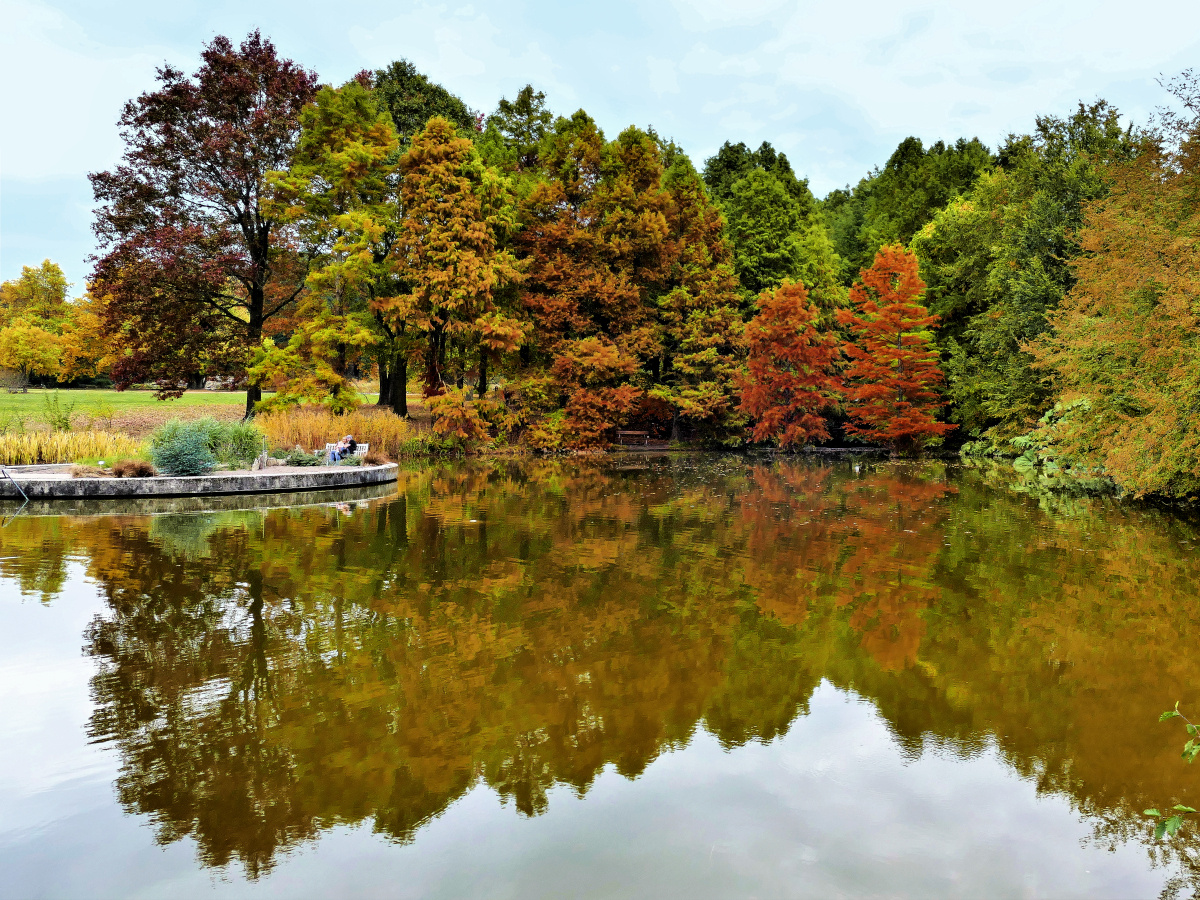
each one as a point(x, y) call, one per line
point(548, 284)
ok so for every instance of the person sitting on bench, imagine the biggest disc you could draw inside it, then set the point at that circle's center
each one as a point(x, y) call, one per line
point(344, 448)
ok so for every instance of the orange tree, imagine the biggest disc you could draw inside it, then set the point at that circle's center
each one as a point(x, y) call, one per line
point(791, 379)
point(456, 214)
point(893, 377)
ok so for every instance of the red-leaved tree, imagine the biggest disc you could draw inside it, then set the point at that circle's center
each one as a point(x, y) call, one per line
point(893, 379)
point(791, 380)
point(191, 264)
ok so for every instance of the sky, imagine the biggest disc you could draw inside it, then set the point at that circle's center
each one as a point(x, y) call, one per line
point(835, 85)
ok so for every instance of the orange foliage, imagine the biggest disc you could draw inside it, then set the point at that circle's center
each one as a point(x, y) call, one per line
point(894, 373)
point(791, 379)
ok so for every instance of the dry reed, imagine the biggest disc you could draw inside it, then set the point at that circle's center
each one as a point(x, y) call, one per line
point(312, 427)
point(35, 447)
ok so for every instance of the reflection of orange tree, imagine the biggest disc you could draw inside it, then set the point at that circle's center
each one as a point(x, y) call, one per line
point(897, 535)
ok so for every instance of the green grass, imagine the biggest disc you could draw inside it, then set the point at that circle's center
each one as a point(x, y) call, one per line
point(32, 405)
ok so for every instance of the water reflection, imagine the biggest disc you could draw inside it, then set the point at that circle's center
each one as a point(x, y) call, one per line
point(269, 675)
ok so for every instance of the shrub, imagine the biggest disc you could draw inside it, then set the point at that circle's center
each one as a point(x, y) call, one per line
point(230, 443)
point(35, 447)
point(182, 451)
point(456, 417)
point(300, 457)
point(375, 458)
point(133, 468)
point(351, 461)
point(57, 415)
point(314, 427)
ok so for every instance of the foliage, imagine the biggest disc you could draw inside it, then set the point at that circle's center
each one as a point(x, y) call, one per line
point(233, 444)
point(340, 195)
point(182, 451)
point(411, 100)
point(30, 349)
point(192, 266)
point(1168, 824)
point(27, 448)
point(456, 418)
point(791, 382)
point(298, 457)
point(733, 162)
point(57, 414)
point(998, 263)
point(1127, 336)
point(522, 124)
point(893, 376)
point(456, 213)
point(893, 203)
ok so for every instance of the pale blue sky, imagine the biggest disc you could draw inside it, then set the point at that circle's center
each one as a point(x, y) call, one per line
point(834, 85)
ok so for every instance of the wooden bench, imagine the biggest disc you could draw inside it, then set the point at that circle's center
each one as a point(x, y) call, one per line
point(622, 435)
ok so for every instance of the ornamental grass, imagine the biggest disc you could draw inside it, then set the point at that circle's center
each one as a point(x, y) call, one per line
point(312, 427)
point(39, 447)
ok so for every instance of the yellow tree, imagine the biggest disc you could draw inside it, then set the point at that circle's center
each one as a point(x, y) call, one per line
point(1125, 345)
point(456, 214)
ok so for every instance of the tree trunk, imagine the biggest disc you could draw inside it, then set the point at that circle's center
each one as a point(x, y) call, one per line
point(483, 373)
point(675, 426)
point(397, 394)
point(385, 383)
point(254, 330)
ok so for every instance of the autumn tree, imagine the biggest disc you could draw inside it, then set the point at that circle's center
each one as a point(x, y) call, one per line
point(456, 212)
point(33, 309)
point(43, 333)
point(190, 260)
point(699, 315)
point(1124, 347)
point(340, 194)
point(893, 375)
point(595, 241)
point(791, 383)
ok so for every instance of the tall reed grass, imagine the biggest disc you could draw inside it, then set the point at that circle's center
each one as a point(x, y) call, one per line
point(312, 427)
point(35, 447)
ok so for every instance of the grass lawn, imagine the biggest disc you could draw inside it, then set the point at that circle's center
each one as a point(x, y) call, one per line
point(136, 413)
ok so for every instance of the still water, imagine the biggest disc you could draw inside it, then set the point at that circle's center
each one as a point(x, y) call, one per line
point(642, 677)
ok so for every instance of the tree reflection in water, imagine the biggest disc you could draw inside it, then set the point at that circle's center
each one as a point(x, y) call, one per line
point(268, 676)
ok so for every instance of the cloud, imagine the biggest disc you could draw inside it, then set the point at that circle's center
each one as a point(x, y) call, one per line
point(834, 85)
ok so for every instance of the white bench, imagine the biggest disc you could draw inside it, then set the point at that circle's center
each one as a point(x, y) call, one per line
point(359, 450)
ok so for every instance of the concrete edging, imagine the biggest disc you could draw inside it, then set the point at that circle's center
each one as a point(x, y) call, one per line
point(223, 483)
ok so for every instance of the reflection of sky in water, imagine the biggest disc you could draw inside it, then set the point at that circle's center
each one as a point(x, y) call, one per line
point(964, 637)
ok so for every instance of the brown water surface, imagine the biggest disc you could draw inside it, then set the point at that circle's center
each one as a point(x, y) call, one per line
point(648, 676)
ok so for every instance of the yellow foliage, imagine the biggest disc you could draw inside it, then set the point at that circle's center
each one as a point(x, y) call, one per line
point(312, 427)
point(35, 447)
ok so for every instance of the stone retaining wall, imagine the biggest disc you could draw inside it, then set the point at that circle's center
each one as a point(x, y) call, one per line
point(49, 487)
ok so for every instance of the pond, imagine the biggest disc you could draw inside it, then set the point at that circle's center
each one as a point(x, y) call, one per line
point(644, 676)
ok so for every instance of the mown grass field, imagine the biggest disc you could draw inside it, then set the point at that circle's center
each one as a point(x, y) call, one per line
point(135, 413)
